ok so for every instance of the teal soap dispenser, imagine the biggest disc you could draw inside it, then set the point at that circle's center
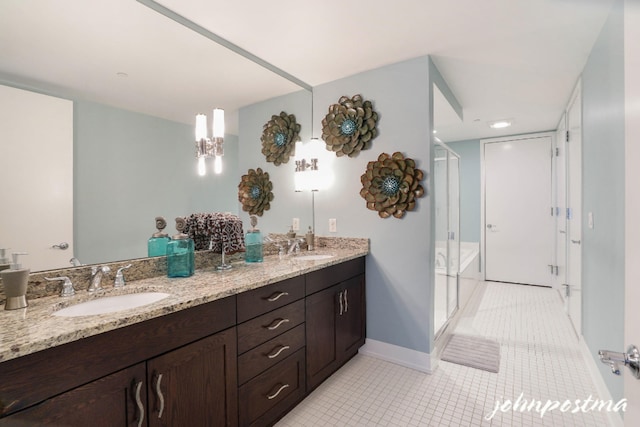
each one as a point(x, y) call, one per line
point(157, 243)
point(253, 242)
point(180, 253)
point(15, 281)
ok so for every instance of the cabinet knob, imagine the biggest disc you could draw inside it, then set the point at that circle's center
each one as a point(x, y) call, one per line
point(139, 403)
point(276, 296)
point(276, 324)
point(160, 395)
point(273, 396)
point(276, 353)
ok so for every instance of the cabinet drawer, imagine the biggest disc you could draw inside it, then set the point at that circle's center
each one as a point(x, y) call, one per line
point(268, 354)
point(259, 301)
point(263, 328)
point(265, 398)
point(326, 277)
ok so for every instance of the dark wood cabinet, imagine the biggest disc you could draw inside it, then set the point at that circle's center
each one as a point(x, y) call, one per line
point(195, 385)
point(271, 356)
point(335, 321)
point(105, 379)
point(118, 399)
point(242, 360)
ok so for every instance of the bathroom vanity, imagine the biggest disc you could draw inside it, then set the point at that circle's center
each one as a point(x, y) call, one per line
point(239, 347)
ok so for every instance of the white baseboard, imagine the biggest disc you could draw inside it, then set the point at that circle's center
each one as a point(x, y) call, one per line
point(615, 418)
point(399, 355)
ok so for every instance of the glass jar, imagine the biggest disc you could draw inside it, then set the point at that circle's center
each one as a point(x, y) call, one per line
point(180, 257)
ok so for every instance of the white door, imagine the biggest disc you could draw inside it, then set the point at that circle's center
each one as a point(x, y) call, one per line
point(574, 212)
point(560, 197)
point(36, 172)
point(632, 199)
point(518, 224)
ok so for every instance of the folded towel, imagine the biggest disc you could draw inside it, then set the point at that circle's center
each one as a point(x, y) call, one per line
point(211, 230)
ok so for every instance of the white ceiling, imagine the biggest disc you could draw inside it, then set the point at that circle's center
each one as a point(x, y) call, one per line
point(515, 59)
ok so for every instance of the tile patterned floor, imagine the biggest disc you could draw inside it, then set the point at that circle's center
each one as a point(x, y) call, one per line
point(539, 358)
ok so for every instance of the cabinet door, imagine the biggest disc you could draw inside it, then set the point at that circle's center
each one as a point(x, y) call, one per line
point(195, 385)
point(321, 316)
point(118, 399)
point(351, 322)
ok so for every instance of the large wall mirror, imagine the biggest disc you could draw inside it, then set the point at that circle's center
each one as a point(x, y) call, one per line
point(135, 80)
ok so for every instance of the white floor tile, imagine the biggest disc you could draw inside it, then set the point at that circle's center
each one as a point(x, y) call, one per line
point(539, 359)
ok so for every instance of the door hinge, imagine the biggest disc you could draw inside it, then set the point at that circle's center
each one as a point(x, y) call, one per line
point(553, 269)
point(557, 151)
point(569, 213)
point(552, 210)
point(567, 290)
point(567, 136)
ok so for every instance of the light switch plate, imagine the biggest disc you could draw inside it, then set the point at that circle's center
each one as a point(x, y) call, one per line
point(590, 219)
point(333, 227)
point(295, 224)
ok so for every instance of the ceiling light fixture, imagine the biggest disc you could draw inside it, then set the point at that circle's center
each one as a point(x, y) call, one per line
point(500, 124)
point(210, 147)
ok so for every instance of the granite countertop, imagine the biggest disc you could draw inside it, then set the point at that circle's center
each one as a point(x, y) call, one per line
point(34, 328)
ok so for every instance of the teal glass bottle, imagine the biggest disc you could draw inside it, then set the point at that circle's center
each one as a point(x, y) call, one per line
point(157, 243)
point(180, 254)
point(253, 242)
point(253, 245)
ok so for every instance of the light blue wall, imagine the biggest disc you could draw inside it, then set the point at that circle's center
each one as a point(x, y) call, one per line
point(130, 168)
point(399, 284)
point(470, 191)
point(398, 267)
point(287, 204)
point(603, 194)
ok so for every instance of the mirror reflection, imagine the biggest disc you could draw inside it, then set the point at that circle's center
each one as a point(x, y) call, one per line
point(126, 97)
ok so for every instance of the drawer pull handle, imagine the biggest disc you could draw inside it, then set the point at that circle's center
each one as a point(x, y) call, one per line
point(273, 396)
point(346, 301)
point(139, 403)
point(160, 396)
point(277, 353)
point(341, 305)
point(276, 296)
point(276, 324)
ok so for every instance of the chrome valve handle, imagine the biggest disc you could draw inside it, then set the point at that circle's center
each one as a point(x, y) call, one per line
point(631, 359)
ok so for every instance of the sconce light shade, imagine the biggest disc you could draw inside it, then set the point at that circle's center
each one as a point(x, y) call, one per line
point(218, 123)
point(312, 167)
point(210, 147)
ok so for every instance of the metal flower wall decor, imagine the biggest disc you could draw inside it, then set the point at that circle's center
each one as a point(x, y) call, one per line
point(391, 184)
point(279, 137)
point(350, 126)
point(254, 192)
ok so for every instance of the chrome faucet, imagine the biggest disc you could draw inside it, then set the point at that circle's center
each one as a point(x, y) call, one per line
point(96, 277)
point(294, 245)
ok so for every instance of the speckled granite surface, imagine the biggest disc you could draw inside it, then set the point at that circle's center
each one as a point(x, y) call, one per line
point(34, 328)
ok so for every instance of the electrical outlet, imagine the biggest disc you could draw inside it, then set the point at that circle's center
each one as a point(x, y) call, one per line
point(333, 228)
point(296, 224)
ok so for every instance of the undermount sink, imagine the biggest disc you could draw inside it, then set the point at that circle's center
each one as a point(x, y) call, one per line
point(313, 257)
point(111, 304)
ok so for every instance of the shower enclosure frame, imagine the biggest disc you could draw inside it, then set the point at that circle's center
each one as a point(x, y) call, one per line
point(452, 238)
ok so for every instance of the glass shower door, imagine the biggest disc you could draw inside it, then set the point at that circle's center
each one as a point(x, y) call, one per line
point(446, 184)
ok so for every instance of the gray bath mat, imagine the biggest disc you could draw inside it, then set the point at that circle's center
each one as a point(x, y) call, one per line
point(476, 352)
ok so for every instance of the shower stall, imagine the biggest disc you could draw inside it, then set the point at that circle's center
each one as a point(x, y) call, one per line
point(446, 189)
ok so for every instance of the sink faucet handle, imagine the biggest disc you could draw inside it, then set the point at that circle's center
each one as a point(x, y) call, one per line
point(67, 287)
point(96, 277)
point(119, 282)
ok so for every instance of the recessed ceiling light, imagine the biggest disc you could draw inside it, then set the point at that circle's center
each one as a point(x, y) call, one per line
point(500, 124)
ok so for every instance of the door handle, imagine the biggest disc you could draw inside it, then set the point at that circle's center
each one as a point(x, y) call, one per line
point(631, 359)
point(577, 242)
